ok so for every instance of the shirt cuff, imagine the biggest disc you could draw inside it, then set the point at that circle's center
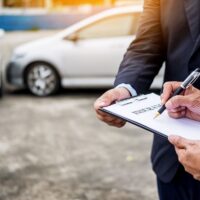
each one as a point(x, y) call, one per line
point(129, 88)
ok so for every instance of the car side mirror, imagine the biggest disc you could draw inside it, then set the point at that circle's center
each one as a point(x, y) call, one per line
point(73, 37)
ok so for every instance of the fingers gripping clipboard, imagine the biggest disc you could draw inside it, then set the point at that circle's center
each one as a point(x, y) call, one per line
point(140, 111)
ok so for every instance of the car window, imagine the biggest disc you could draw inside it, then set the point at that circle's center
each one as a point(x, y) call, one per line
point(119, 25)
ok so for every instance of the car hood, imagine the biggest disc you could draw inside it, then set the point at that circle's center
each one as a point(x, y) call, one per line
point(35, 45)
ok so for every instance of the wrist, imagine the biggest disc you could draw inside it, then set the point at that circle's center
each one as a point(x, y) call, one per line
point(131, 90)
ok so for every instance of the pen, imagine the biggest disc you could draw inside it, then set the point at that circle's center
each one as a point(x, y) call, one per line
point(184, 85)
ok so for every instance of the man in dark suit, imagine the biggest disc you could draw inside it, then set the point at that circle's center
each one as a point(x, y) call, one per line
point(169, 31)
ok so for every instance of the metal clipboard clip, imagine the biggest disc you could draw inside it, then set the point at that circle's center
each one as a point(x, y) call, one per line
point(131, 100)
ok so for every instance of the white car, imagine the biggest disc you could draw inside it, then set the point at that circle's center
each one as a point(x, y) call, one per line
point(86, 54)
point(2, 32)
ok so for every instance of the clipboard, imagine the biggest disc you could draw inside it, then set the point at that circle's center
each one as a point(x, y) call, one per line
point(140, 111)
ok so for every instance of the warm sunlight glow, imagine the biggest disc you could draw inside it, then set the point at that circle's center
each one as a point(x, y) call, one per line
point(54, 3)
point(61, 3)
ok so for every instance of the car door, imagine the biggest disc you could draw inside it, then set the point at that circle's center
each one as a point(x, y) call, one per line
point(97, 49)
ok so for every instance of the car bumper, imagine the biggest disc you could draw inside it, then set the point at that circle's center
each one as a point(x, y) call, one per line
point(14, 75)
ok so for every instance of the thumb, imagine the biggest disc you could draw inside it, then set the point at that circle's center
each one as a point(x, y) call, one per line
point(106, 99)
point(178, 101)
point(102, 102)
point(168, 88)
point(178, 141)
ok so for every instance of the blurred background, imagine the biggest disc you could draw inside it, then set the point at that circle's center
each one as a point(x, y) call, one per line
point(56, 58)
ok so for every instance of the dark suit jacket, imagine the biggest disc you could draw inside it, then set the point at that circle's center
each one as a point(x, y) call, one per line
point(168, 31)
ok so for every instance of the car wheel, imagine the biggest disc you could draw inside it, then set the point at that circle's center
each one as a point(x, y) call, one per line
point(1, 88)
point(42, 79)
point(1, 85)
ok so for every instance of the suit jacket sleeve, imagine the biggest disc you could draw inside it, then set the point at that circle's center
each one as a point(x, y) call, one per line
point(145, 54)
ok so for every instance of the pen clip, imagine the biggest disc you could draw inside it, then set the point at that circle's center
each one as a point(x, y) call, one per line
point(191, 79)
point(195, 78)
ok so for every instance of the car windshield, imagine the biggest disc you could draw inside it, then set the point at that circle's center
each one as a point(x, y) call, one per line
point(115, 26)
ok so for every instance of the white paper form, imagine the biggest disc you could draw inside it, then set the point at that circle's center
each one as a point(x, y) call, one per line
point(141, 111)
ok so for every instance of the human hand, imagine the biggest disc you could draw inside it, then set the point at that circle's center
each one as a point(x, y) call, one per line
point(185, 105)
point(188, 152)
point(107, 99)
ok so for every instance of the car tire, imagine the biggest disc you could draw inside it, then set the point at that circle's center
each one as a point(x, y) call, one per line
point(1, 85)
point(42, 79)
point(1, 89)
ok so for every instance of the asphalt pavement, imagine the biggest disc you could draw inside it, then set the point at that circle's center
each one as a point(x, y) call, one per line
point(55, 148)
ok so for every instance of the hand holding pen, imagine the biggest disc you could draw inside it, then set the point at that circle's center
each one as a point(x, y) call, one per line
point(186, 105)
point(184, 85)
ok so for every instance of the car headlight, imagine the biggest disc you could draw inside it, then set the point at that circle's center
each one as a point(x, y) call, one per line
point(18, 56)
